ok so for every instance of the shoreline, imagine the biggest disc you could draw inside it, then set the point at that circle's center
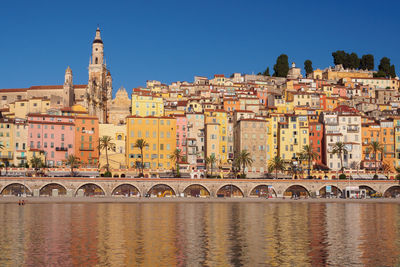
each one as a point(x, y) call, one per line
point(78, 200)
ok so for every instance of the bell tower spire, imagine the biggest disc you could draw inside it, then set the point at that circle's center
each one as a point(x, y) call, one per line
point(97, 49)
point(98, 92)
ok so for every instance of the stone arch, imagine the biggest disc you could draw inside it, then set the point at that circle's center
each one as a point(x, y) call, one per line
point(123, 175)
point(298, 190)
point(116, 176)
point(125, 190)
point(392, 191)
point(161, 190)
point(369, 189)
point(146, 176)
point(47, 189)
point(16, 189)
point(195, 190)
point(262, 190)
point(230, 190)
point(154, 175)
point(334, 189)
point(91, 189)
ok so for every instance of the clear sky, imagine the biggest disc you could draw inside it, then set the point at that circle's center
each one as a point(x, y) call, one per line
point(175, 40)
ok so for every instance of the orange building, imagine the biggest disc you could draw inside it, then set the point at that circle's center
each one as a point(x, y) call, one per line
point(231, 104)
point(384, 134)
point(87, 139)
point(316, 133)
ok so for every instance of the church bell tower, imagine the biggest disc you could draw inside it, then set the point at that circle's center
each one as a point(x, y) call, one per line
point(99, 89)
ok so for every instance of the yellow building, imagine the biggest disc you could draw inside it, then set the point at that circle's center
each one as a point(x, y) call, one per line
point(216, 134)
point(20, 142)
point(270, 147)
point(396, 124)
point(159, 133)
point(117, 158)
point(293, 136)
point(20, 108)
point(7, 141)
point(147, 105)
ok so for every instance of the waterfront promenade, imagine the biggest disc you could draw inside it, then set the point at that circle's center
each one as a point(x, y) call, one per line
point(171, 187)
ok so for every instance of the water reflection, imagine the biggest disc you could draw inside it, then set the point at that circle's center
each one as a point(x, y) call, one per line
point(200, 234)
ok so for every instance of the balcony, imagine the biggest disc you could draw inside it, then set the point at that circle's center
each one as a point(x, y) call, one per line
point(21, 157)
point(353, 129)
point(3, 157)
point(201, 134)
point(61, 149)
point(86, 149)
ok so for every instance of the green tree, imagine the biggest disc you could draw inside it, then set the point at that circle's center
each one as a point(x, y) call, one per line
point(73, 162)
point(339, 149)
point(266, 72)
point(106, 143)
point(375, 148)
point(244, 160)
point(353, 61)
point(384, 66)
point(276, 164)
point(339, 57)
point(176, 157)
point(141, 144)
point(309, 154)
point(210, 161)
point(392, 72)
point(308, 66)
point(367, 62)
point(36, 163)
point(281, 68)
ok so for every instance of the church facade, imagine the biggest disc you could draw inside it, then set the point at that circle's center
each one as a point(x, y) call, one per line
point(96, 96)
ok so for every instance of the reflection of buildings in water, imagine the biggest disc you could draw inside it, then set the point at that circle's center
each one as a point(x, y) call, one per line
point(84, 233)
point(317, 233)
point(379, 229)
point(287, 239)
point(343, 233)
point(12, 235)
point(158, 224)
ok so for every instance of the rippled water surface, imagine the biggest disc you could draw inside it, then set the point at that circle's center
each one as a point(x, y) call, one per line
point(200, 234)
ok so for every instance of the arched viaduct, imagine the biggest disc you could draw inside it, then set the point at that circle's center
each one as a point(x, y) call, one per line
point(107, 186)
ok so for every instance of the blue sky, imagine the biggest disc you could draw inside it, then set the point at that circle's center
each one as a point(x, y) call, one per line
point(175, 40)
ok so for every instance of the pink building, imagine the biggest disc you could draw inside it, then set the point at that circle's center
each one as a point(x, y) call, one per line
point(181, 133)
point(52, 135)
point(339, 90)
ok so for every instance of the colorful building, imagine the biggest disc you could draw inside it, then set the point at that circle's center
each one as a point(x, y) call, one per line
point(87, 140)
point(7, 140)
point(316, 130)
point(159, 133)
point(52, 135)
point(117, 158)
point(147, 105)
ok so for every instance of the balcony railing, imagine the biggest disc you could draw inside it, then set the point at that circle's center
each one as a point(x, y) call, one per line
point(86, 149)
point(6, 156)
point(61, 149)
point(21, 157)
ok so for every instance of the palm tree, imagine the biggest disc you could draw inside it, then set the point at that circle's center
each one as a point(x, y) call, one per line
point(309, 154)
point(141, 144)
point(277, 164)
point(105, 142)
point(244, 160)
point(210, 160)
point(375, 147)
point(36, 163)
point(176, 157)
point(73, 163)
point(339, 149)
